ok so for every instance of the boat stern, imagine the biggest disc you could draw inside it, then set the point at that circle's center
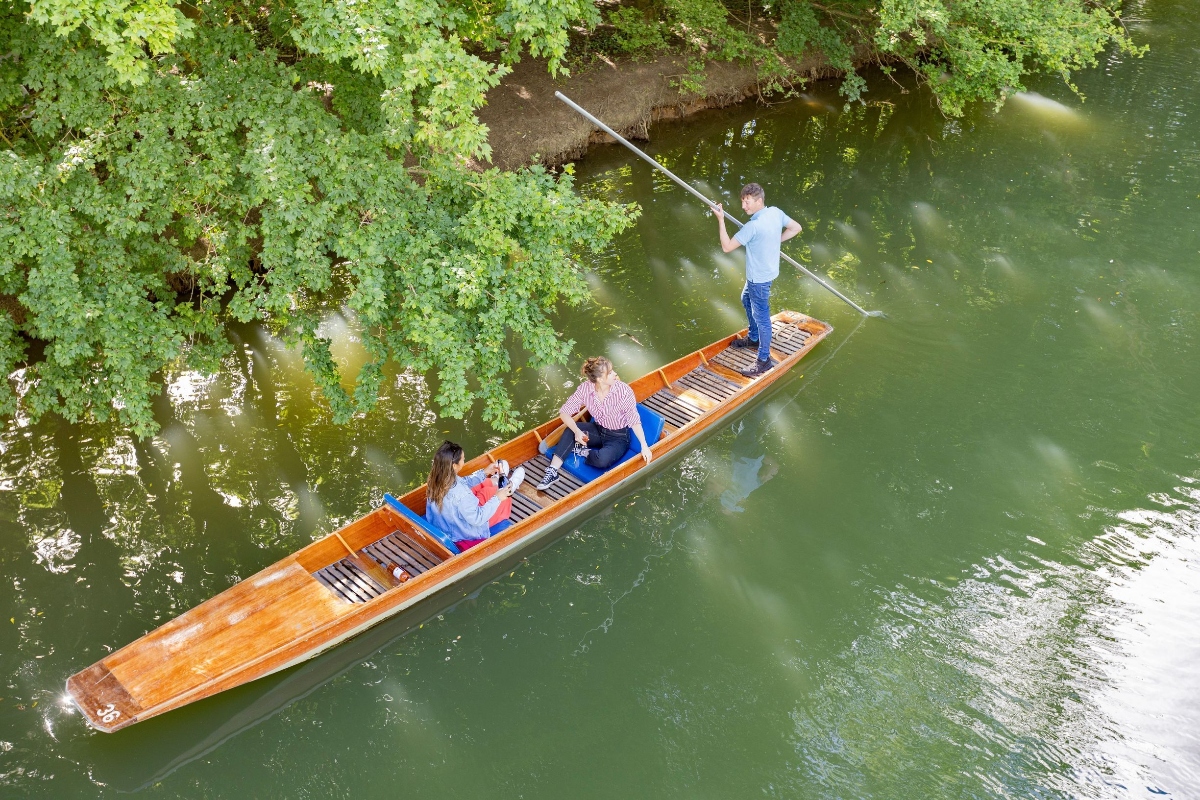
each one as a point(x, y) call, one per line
point(104, 702)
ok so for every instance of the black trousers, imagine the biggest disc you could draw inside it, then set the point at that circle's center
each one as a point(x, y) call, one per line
point(606, 445)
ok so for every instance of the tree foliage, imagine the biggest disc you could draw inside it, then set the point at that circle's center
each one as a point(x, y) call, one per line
point(169, 166)
point(966, 50)
point(273, 162)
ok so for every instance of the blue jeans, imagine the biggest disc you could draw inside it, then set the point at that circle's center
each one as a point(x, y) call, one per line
point(756, 298)
point(606, 445)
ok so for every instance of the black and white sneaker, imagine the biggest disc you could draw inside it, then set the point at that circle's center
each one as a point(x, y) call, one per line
point(550, 477)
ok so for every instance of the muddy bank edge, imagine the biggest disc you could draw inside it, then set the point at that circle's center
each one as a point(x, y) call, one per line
point(528, 125)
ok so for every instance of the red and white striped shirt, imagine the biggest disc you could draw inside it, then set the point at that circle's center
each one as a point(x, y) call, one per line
point(617, 410)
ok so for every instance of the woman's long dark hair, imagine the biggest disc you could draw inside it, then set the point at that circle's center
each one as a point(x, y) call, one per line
point(443, 476)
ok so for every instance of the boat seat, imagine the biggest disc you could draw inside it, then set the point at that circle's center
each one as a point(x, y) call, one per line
point(502, 525)
point(421, 523)
point(437, 533)
point(652, 427)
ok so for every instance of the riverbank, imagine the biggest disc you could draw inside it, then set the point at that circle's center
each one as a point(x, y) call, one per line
point(528, 125)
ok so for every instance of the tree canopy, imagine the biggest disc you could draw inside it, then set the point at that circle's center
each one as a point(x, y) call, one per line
point(168, 167)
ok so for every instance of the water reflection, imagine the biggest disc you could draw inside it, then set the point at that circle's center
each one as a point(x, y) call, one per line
point(750, 466)
point(1060, 678)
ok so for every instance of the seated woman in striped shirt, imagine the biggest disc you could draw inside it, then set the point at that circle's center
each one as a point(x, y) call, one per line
point(605, 438)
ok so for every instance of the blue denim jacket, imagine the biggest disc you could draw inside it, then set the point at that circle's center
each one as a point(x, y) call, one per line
point(460, 516)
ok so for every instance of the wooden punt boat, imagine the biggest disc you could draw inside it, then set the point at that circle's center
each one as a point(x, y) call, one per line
point(337, 586)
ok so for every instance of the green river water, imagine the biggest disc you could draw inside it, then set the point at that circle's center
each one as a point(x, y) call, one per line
point(956, 553)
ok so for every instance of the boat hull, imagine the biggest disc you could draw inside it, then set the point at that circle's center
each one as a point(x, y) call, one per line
point(282, 616)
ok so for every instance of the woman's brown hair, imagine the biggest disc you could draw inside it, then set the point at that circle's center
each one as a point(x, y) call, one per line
point(443, 476)
point(595, 368)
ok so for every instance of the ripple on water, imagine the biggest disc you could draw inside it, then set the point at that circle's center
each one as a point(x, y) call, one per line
point(1036, 678)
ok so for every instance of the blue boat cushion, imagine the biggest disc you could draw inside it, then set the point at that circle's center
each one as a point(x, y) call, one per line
point(652, 427)
point(421, 523)
point(502, 525)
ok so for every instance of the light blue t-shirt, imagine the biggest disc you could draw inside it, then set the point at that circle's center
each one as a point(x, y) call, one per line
point(760, 237)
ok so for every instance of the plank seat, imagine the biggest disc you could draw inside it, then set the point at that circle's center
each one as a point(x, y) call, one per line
point(349, 582)
point(787, 338)
point(675, 409)
point(422, 524)
point(535, 470)
point(652, 429)
point(523, 506)
point(709, 384)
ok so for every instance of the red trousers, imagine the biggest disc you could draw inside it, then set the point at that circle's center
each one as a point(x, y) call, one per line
point(485, 491)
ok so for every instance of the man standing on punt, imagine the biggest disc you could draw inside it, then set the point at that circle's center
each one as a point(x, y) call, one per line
point(767, 229)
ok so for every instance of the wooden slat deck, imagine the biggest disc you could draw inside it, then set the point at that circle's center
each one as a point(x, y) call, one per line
point(346, 580)
point(673, 408)
point(787, 338)
point(523, 505)
point(736, 358)
point(535, 470)
point(709, 384)
point(349, 582)
point(337, 586)
point(400, 549)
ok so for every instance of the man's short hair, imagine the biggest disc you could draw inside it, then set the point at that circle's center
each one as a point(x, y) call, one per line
point(755, 191)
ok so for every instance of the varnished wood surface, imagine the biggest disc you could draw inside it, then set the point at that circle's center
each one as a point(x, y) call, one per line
point(262, 613)
point(284, 615)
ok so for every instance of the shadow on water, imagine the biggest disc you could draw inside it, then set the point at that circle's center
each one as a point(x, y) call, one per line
point(151, 751)
point(147, 753)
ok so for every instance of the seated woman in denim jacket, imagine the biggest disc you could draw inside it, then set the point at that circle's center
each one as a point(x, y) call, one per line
point(605, 439)
point(465, 508)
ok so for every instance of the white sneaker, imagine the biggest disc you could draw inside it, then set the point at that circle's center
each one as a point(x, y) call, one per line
point(518, 477)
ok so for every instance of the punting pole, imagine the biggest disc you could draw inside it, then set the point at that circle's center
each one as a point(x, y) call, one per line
point(708, 202)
